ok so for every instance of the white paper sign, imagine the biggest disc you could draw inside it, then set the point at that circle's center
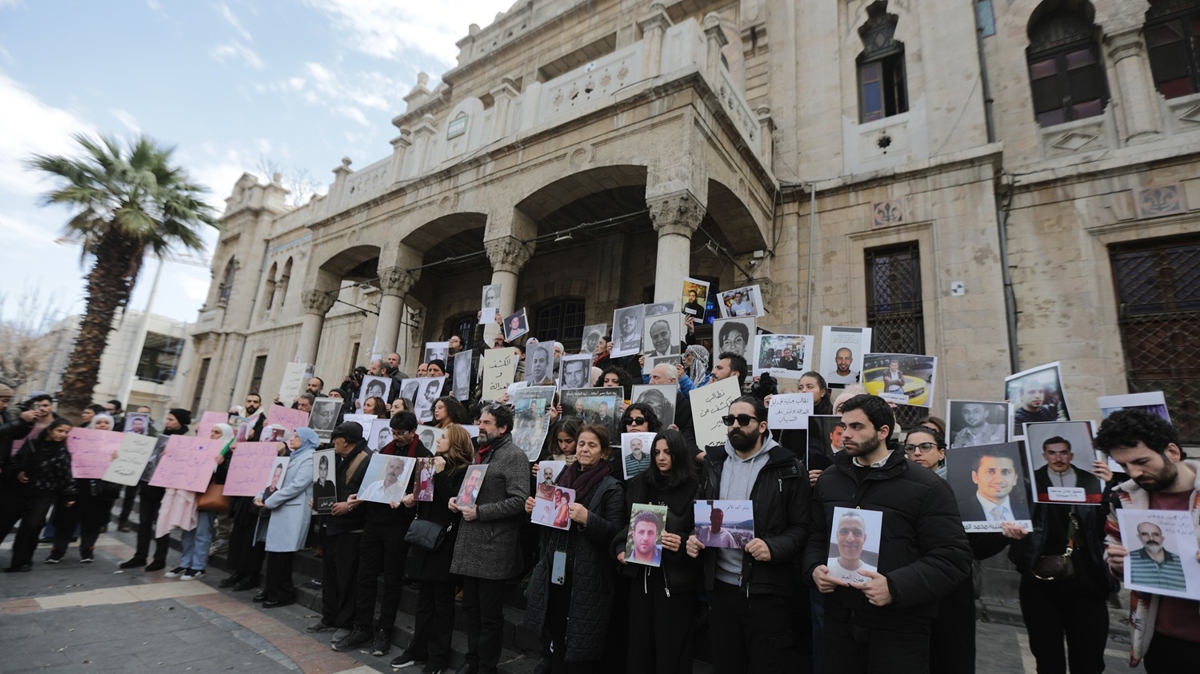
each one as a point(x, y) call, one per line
point(709, 404)
point(295, 378)
point(132, 457)
point(487, 315)
point(790, 410)
point(1162, 552)
point(1070, 494)
point(498, 366)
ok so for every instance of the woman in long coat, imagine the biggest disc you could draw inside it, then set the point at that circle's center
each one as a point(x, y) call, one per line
point(284, 520)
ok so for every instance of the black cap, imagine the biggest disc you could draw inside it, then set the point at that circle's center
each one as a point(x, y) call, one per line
point(349, 431)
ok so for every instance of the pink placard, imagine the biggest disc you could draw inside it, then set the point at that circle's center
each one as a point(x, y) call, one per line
point(287, 417)
point(208, 420)
point(249, 468)
point(187, 463)
point(91, 451)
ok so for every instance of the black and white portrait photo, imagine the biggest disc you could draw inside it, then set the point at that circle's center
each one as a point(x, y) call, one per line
point(464, 372)
point(576, 370)
point(374, 387)
point(662, 335)
point(658, 309)
point(324, 416)
point(592, 334)
point(437, 351)
point(324, 490)
point(539, 364)
point(409, 388)
point(627, 331)
point(972, 423)
point(491, 296)
point(660, 397)
point(430, 389)
point(733, 335)
point(1036, 395)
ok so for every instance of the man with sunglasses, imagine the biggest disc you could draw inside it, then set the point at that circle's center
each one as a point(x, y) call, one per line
point(750, 589)
point(884, 622)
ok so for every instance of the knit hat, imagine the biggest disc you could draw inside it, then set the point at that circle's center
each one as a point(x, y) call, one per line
point(181, 415)
point(349, 431)
point(440, 363)
point(6, 391)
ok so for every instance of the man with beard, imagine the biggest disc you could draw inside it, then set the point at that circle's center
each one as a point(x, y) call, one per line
point(1154, 564)
point(1166, 630)
point(842, 360)
point(885, 621)
point(1031, 396)
point(978, 431)
point(749, 589)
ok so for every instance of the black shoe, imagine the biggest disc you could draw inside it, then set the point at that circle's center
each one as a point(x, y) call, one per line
point(383, 642)
point(124, 528)
point(260, 597)
point(232, 580)
point(24, 568)
point(156, 565)
point(54, 558)
point(406, 659)
point(248, 583)
point(134, 563)
point(87, 556)
point(432, 669)
point(320, 626)
point(356, 638)
point(467, 668)
point(271, 603)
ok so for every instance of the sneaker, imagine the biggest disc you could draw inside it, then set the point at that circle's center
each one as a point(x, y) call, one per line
point(156, 565)
point(133, 563)
point(54, 558)
point(431, 669)
point(87, 556)
point(192, 574)
point(173, 573)
point(406, 659)
point(383, 642)
point(356, 638)
point(339, 634)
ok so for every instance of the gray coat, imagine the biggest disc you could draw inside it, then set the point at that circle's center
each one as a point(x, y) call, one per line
point(490, 546)
point(285, 529)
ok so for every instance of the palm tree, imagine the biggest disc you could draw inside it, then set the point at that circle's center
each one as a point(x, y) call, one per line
point(127, 201)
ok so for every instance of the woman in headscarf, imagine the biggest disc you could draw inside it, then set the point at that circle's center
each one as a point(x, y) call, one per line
point(93, 502)
point(179, 509)
point(287, 515)
point(697, 367)
point(101, 421)
point(245, 558)
point(37, 476)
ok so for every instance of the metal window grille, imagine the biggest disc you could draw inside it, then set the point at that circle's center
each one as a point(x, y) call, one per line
point(894, 311)
point(1158, 308)
point(159, 358)
point(464, 327)
point(256, 376)
point(201, 380)
point(561, 321)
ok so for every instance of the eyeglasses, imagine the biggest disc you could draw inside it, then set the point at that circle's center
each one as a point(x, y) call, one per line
point(635, 421)
point(922, 448)
point(739, 419)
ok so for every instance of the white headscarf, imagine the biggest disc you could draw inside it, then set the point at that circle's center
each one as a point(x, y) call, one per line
point(103, 415)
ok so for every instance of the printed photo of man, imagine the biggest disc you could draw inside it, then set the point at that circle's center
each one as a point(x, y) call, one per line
point(1154, 565)
point(1058, 471)
point(644, 531)
point(995, 476)
point(851, 537)
point(715, 536)
point(977, 432)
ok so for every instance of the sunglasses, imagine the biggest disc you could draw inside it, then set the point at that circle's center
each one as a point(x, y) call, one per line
point(739, 419)
point(922, 448)
point(635, 421)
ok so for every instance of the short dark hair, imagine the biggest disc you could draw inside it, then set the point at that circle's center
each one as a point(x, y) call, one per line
point(653, 423)
point(995, 454)
point(255, 394)
point(37, 399)
point(601, 433)
point(622, 376)
point(736, 363)
point(1126, 428)
point(403, 421)
point(320, 380)
point(1056, 440)
point(739, 328)
point(645, 516)
point(116, 405)
point(502, 415)
point(878, 412)
point(930, 431)
point(760, 408)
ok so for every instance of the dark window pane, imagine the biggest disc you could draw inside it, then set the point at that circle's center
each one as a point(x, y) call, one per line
point(1086, 83)
point(894, 308)
point(1081, 58)
point(1087, 109)
point(1040, 69)
point(1052, 117)
point(1166, 33)
point(1176, 88)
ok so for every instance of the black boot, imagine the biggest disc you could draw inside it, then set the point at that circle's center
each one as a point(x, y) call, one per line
point(250, 582)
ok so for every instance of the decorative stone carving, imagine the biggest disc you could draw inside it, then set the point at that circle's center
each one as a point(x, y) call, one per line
point(508, 254)
point(397, 281)
point(317, 302)
point(1157, 200)
point(677, 213)
point(887, 213)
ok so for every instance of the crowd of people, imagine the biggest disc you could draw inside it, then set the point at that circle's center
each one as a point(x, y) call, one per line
point(770, 600)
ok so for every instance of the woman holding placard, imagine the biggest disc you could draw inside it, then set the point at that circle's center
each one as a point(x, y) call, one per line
point(37, 476)
point(812, 382)
point(574, 576)
point(93, 502)
point(286, 525)
point(663, 600)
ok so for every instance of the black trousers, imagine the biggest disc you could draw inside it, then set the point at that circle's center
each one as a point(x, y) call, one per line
point(434, 622)
point(244, 555)
point(1168, 655)
point(127, 504)
point(750, 634)
point(853, 649)
point(278, 585)
point(29, 507)
point(90, 513)
point(558, 610)
point(483, 614)
point(339, 578)
point(952, 639)
point(151, 499)
point(381, 550)
point(1053, 610)
point(660, 627)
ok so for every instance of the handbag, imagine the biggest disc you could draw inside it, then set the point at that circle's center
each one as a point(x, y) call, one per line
point(213, 498)
point(1058, 567)
point(426, 535)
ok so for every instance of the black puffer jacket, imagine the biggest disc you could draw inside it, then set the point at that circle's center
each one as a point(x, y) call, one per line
point(923, 548)
point(435, 565)
point(591, 576)
point(47, 466)
point(679, 571)
point(781, 496)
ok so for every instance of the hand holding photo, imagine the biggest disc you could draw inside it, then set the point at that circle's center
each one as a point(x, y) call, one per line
point(724, 524)
point(854, 544)
point(547, 475)
point(899, 378)
point(515, 325)
point(425, 470)
point(386, 479)
point(324, 487)
point(1162, 552)
point(275, 479)
point(1060, 456)
point(987, 483)
point(554, 512)
point(469, 491)
point(646, 526)
point(635, 452)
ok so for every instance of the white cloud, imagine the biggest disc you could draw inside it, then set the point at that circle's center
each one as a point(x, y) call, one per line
point(389, 28)
point(126, 119)
point(237, 51)
point(28, 126)
point(228, 15)
point(347, 96)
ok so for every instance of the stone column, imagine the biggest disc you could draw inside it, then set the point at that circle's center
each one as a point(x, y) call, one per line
point(676, 217)
point(316, 304)
point(1138, 97)
point(716, 40)
point(508, 256)
point(400, 145)
point(653, 26)
point(394, 282)
point(502, 95)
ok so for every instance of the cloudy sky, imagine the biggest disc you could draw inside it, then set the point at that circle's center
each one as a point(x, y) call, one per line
point(235, 86)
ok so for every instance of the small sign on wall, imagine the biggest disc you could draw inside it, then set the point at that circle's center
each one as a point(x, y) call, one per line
point(457, 126)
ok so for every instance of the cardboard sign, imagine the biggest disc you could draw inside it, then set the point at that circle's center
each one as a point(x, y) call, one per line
point(287, 417)
point(295, 378)
point(91, 451)
point(187, 463)
point(789, 410)
point(132, 457)
point(709, 404)
point(249, 467)
point(498, 367)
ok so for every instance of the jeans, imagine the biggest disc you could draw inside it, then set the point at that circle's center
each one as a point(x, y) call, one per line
point(197, 541)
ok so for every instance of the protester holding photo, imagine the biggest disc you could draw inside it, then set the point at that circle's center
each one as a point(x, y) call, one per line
point(34, 479)
point(585, 593)
point(448, 410)
point(376, 407)
point(245, 557)
point(93, 505)
point(663, 600)
point(286, 525)
point(812, 382)
point(1166, 630)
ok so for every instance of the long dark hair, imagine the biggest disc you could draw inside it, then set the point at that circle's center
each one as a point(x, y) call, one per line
point(683, 468)
point(44, 436)
point(454, 410)
point(653, 423)
point(622, 376)
point(824, 405)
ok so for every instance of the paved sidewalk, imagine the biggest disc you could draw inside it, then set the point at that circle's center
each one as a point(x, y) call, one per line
point(75, 617)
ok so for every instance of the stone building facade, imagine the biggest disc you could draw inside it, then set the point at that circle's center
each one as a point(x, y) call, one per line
point(998, 183)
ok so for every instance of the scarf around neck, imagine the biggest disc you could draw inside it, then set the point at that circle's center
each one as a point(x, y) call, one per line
point(583, 481)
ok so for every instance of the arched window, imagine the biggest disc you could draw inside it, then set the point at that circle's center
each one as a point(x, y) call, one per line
point(1065, 72)
point(226, 287)
point(269, 291)
point(882, 90)
point(1173, 41)
point(281, 286)
point(560, 320)
point(462, 325)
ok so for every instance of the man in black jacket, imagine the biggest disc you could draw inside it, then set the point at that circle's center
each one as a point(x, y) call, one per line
point(749, 588)
point(884, 621)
